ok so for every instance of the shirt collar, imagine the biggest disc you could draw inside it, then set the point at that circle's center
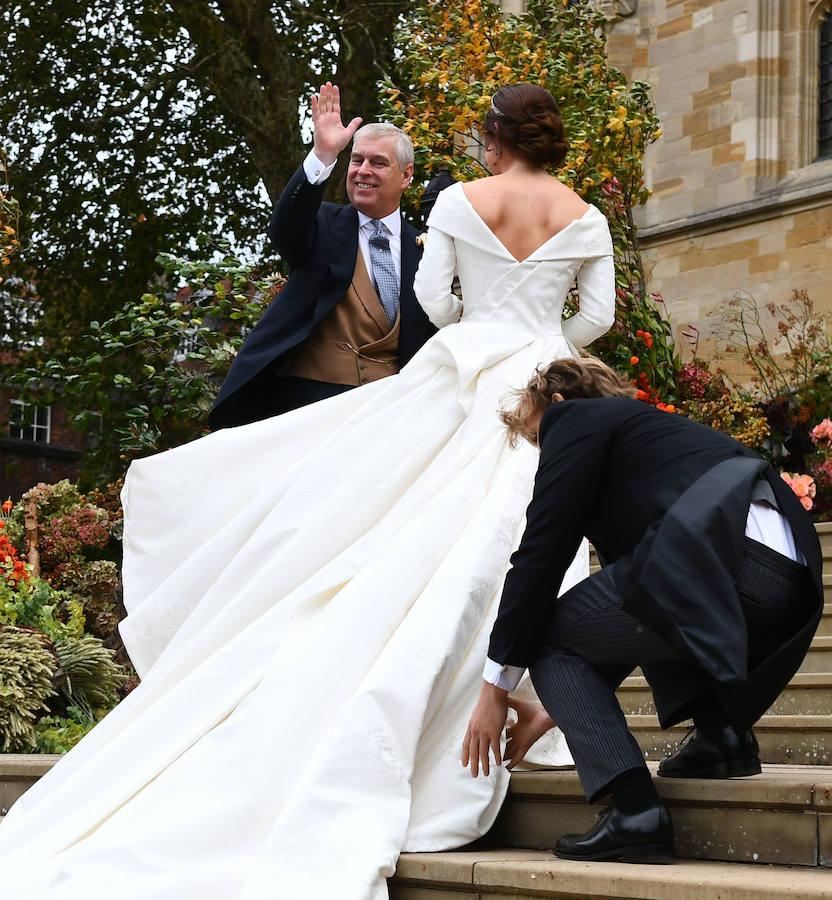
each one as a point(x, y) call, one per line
point(393, 221)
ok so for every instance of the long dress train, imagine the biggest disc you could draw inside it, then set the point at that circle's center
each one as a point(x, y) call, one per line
point(310, 599)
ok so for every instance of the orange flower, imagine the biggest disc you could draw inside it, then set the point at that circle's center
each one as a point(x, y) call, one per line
point(634, 360)
point(7, 506)
point(803, 486)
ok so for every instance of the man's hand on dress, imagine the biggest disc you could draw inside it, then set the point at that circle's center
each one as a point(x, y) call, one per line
point(532, 723)
point(485, 730)
point(331, 135)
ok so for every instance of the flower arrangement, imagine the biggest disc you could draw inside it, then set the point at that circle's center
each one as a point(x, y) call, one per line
point(13, 568)
point(784, 411)
point(821, 434)
point(63, 618)
point(803, 486)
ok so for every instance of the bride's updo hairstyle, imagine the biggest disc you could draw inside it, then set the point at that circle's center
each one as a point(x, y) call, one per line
point(525, 118)
point(574, 379)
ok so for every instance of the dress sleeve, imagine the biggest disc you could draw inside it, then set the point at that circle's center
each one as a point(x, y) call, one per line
point(434, 278)
point(596, 299)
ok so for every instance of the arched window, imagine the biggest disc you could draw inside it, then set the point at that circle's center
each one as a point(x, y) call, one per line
point(825, 88)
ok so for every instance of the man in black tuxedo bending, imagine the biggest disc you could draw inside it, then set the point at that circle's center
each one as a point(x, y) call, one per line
point(711, 583)
point(348, 314)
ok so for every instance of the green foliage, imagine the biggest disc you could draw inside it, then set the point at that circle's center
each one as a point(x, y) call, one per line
point(26, 666)
point(9, 216)
point(781, 403)
point(95, 584)
point(35, 604)
point(133, 126)
point(59, 734)
point(455, 56)
point(151, 371)
point(54, 611)
point(798, 357)
point(50, 500)
point(787, 350)
point(736, 414)
point(87, 674)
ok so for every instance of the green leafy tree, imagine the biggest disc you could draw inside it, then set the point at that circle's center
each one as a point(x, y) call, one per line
point(146, 377)
point(133, 126)
point(9, 216)
point(455, 56)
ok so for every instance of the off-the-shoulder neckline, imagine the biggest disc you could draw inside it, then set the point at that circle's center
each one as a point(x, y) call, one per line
point(587, 212)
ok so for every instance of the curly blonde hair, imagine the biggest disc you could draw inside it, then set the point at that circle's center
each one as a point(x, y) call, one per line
point(573, 378)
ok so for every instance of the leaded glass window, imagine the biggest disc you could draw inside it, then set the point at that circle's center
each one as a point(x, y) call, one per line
point(825, 90)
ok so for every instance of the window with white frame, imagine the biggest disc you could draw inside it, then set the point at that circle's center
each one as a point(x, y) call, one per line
point(825, 88)
point(28, 422)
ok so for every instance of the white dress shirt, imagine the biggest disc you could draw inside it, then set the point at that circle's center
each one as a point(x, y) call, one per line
point(764, 525)
point(317, 173)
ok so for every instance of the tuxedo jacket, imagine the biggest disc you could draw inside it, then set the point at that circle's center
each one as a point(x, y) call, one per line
point(665, 501)
point(319, 242)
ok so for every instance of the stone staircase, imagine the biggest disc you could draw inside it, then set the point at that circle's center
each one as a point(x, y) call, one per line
point(755, 838)
point(761, 838)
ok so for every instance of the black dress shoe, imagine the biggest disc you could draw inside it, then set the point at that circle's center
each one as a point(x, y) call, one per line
point(722, 753)
point(645, 837)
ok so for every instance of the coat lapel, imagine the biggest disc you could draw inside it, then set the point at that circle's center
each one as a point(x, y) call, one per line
point(408, 304)
point(344, 244)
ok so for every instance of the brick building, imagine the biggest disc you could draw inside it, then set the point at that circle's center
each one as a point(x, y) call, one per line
point(37, 443)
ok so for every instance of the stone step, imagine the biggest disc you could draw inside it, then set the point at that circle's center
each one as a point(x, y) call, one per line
point(799, 740)
point(825, 626)
point(525, 874)
point(783, 816)
point(824, 530)
point(819, 657)
point(18, 772)
point(808, 694)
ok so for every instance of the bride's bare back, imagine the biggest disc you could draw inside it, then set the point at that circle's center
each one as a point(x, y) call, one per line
point(524, 210)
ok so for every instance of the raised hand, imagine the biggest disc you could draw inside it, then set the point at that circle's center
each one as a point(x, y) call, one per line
point(331, 135)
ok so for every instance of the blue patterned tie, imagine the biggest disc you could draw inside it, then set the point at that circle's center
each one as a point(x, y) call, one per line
point(384, 274)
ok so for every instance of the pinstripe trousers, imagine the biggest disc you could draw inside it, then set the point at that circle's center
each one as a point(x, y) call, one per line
point(590, 647)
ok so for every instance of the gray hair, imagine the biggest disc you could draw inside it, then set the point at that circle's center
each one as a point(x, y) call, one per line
point(402, 145)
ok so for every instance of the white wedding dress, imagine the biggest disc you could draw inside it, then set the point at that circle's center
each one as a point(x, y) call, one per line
point(310, 599)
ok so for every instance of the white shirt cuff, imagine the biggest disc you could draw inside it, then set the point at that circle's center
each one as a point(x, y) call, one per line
point(316, 171)
point(504, 677)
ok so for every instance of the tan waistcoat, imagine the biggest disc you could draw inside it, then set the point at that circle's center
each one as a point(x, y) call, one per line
point(353, 344)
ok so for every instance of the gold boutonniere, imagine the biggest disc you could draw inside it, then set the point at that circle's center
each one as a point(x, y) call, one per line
point(422, 239)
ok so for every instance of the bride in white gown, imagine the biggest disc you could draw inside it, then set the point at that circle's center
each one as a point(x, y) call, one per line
point(310, 596)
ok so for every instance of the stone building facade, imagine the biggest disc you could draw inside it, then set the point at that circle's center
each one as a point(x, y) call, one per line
point(741, 180)
point(742, 188)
